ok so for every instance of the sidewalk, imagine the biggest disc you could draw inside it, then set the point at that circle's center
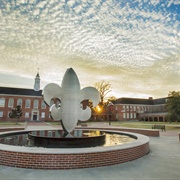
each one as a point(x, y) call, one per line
point(38, 126)
point(162, 163)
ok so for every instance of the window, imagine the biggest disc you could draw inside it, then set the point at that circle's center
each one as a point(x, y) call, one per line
point(134, 115)
point(43, 105)
point(124, 115)
point(134, 108)
point(130, 108)
point(131, 115)
point(11, 102)
point(147, 108)
point(8, 113)
point(1, 113)
point(127, 108)
point(43, 115)
point(28, 103)
point(36, 104)
point(117, 115)
point(127, 115)
point(27, 115)
point(19, 102)
point(2, 102)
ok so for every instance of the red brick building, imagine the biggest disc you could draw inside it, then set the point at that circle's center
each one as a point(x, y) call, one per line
point(30, 100)
point(35, 109)
point(141, 109)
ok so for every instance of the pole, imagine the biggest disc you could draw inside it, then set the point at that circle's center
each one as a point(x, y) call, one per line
point(109, 115)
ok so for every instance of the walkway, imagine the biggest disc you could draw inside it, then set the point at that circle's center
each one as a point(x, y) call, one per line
point(162, 163)
point(38, 126)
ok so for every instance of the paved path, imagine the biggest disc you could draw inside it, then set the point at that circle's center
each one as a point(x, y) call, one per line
point(38, 126)
point(162, 163)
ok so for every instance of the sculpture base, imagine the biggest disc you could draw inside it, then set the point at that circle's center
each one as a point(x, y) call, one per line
point(56, 139)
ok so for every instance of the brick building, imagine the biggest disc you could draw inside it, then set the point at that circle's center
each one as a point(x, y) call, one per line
point(30, 100)
point(141, 109)
point(35, 109)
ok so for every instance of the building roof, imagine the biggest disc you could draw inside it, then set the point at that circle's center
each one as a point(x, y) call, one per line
point(31, 92)
point(19, 91)
point(160, 101)
point(140, 101)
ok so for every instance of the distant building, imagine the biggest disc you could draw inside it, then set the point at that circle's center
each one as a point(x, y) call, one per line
point(30, 100)
point(141, 109)
point(125, 109)
point(35, 109)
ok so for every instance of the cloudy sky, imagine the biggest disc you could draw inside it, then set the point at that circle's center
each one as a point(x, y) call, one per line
point(133, 44)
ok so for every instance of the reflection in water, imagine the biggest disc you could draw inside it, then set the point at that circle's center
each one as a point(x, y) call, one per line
point(60, 133)
point(117, 139)
point(22, 139)
point(16, 140)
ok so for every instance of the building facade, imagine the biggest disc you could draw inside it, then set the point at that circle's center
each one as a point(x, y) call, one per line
point(31, 102)
point(35, 109)
point(140, 109)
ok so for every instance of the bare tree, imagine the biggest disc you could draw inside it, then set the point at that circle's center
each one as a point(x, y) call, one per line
point(104, 88)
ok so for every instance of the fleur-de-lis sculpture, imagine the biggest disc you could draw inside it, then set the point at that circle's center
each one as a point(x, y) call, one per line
point(70, 96)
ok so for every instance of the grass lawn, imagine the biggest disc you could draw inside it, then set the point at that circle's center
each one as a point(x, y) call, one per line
point(12, 123)
point(175, 126)
point(148, 125)
point(54, 123)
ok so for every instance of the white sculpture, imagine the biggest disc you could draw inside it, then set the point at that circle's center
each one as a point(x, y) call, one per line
point(71, 97)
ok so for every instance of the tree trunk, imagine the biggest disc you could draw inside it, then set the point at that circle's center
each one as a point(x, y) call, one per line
point(16, 121)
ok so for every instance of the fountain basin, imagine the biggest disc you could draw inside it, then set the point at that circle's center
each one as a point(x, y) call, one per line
point(56, 139)
point(73, 158)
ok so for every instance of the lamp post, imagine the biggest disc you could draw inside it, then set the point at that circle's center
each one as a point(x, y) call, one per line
point(110, 108)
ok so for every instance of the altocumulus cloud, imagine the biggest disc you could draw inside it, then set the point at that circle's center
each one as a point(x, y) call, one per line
point(134, 44)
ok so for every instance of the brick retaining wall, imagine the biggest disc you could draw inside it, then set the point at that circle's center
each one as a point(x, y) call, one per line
point(71, 161)
point(10, 129)
point(146, 132)
point(35, 158)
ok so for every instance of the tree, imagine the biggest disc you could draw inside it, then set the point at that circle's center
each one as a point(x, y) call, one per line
point(16, 113)
point(104, 88)
point(103, 109)
point(173, 106)
point(110, 100)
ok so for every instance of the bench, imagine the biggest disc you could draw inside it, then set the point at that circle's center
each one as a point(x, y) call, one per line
point(157, 126)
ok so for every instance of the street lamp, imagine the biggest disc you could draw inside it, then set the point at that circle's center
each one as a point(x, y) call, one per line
point(109, 109)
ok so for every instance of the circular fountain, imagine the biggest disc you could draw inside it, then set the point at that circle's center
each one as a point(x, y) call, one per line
point(56, 139)
point(70, 148)
point(18, 155)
